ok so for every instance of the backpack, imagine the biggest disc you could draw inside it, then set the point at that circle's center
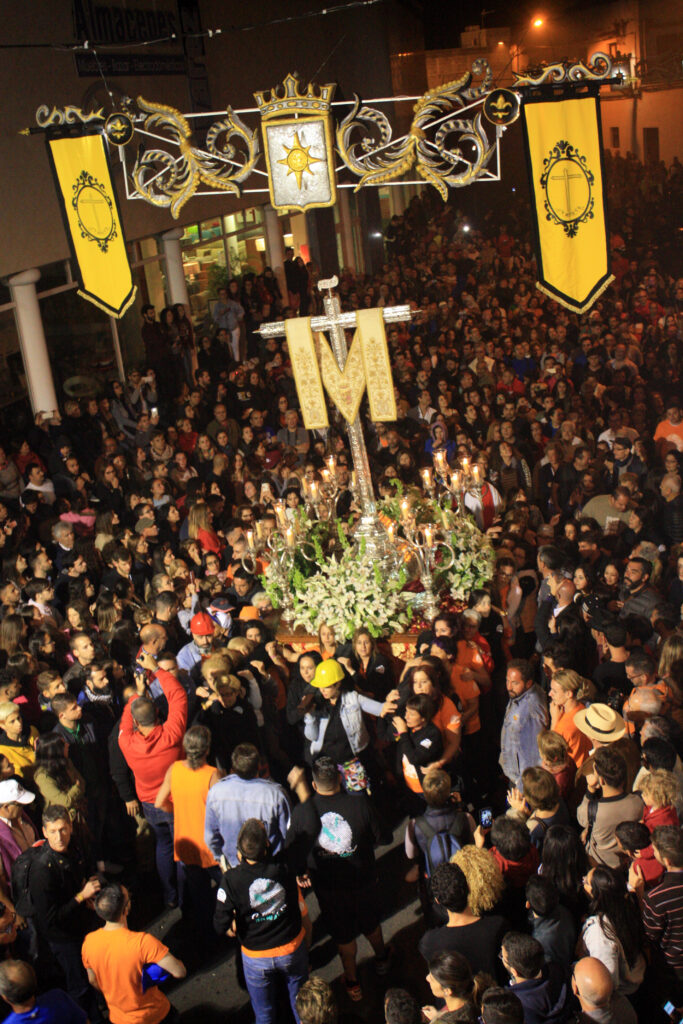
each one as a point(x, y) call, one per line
point(23, 904)
point(441, 846)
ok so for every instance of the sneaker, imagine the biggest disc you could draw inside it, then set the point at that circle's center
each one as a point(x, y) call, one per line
point(354, 991)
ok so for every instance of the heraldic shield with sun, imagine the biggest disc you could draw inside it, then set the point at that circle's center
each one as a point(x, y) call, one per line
point(297, 140)
point(568, 185)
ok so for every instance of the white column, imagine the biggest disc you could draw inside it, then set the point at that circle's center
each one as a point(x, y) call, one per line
point(346, 229)
point(175, 274)
point(275, 248)
point(41, 388)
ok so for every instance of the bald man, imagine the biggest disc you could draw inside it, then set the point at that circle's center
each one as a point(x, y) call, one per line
point(19, 989)
point(592, 986)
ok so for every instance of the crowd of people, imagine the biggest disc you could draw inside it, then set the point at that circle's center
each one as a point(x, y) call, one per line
point(159, 745)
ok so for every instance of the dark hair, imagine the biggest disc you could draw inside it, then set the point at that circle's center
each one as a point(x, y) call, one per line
point(633, 835)
point(401, 1008)
point(610, 766)
point(542, 895)
point(641, 661)
point(524, 953)
point(453, 972)
point(510, 838)
point(614, 633)
point(617, 910)
point(523, 666)
point(449, 887)
point(50, 756)
point(252, 841)
point(143, 710)
point(564, 861)
point(245, 761)
point(325, 773)
point(423, 704)
point(110, 901)
point(659, 753)
point(55, 812)
point(551, 557)
point(669, 842)
point(501, 1006)
point(18, 982)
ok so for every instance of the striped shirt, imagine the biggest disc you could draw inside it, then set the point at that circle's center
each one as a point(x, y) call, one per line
point(663, 918)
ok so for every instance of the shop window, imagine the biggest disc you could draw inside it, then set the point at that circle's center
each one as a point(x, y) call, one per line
point(190, 235)
point(79, 344)
point(211, 229)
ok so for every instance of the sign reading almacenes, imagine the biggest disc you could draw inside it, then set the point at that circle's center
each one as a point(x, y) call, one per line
point(110, 23)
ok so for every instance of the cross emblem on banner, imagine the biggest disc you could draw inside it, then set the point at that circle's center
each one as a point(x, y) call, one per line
point(567, 178)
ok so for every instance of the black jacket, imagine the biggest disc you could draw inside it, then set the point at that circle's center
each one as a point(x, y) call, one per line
point(53, 881)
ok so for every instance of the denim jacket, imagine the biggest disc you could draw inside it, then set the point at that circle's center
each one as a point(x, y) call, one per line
point(351, 713)
point(525, 717)
point(231, 801)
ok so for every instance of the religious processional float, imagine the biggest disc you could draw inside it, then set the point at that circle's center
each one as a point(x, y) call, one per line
point(396, 562)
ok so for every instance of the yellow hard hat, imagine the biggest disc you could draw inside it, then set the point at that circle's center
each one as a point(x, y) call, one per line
point(327, 673)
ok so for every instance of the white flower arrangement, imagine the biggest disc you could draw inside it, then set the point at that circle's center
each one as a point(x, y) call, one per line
point(349, 592)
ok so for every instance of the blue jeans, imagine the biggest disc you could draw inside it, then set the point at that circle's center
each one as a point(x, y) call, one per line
point(261, 976)
point(162, 824)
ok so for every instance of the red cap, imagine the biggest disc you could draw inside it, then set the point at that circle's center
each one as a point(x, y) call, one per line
point(202, 624)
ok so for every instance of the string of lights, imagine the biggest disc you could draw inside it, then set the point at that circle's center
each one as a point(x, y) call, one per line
point(209, 33)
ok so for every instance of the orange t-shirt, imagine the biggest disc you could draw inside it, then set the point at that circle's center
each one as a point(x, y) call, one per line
point(117, 957)
point(189, 790)
point(447, 719)
point(466, 689)
point(580, 745)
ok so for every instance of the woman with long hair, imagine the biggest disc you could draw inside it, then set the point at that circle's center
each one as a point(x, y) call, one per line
point(450, 979)
point(57, 779)
point(423, 679)
point(12, 634)
point(200, 528)
point(564, 863)
point(613, 933)
point(327, 641)
point(187, 784)
point(371, 671)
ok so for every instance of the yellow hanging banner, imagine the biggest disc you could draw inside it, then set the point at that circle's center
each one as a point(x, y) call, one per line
point(564, 158)
point(367, 365)
point(92, 218)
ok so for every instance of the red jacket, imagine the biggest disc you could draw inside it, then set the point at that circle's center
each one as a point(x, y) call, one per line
point(516, 873)
point(149, 757)
point(660, 816)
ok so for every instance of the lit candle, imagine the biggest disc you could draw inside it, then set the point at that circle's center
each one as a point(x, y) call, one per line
point(289, 537)
point(259, 529)
point(455, 481)
point(429, 536)
point(427, 478)
point(405, 508)
point(314, 491)
point(440, 461)
point(475, 474)
point(465, 464)
point(391, 530)
point(250, 539)
point(331, 463)
point(279, 507)
point(326, 476)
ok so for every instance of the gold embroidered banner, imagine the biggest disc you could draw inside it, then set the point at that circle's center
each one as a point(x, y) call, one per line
point(92, 218)
point(367, 364)
point(304, 359)
point(564, 158)
point(378, 376)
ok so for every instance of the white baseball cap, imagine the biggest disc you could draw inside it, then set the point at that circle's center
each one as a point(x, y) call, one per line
point(12, 792)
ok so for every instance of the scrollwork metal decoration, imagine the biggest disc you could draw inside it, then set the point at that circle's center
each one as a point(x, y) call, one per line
point(376, 160)
point(168, 181)
point(597, 70)
point(48, 117)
